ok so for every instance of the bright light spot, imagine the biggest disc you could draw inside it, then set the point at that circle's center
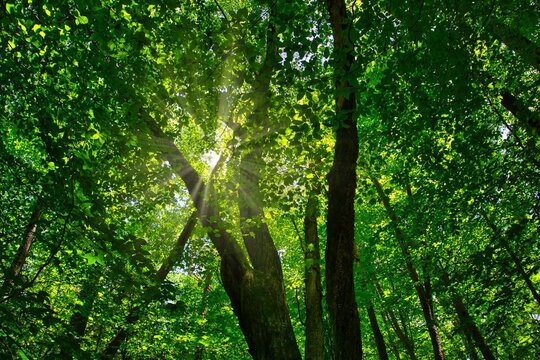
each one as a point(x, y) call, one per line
point(211, 158)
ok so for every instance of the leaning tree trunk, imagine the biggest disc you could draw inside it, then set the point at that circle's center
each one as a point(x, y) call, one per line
point(134, 315)
point(529, 119)
point(15, 269)
point(377, 334)
point(423, 293)
point(466, 321)
point(502, 241)
point(339, 255)
point(525, 48)
point(256, 291)
point(394, 323)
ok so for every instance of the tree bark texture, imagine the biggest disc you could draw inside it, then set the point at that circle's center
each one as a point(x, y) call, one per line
point(339, 256)
point(314, 347)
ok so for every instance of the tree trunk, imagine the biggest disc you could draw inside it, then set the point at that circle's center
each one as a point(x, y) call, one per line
point(15, 269)
point(469, 346)
point(424, 295)
point(377, 334)
point(402, 336)
point(526, 49)
point(503, 242)
point(206, 290)
point(114, 344)
point(466, 321)
point(469, 327)
point(525, 116)
point(256, 292)
point(393, 344)
point(176, 253)
point(339, 255)
point(79, 318)
point(174, 256)
point(314, 347)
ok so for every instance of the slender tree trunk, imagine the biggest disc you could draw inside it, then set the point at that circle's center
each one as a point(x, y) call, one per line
point(379, 339)
point(469, 346)
point(470, 328)
point(176, 253)
point(134, 315)
point(503, 242)
point(423, 292)
point(393, 345)
point(15, 269)
point(466, 321)
point(339, 255)
point(402, 336)
point(79, 318)
point(114, 344)
point(206, 290)
point(314, 347)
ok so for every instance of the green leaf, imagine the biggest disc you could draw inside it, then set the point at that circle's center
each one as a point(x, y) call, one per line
point(23, 355)
point(82, 20)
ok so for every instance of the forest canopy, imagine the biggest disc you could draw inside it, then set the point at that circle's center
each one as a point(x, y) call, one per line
point(269, 179)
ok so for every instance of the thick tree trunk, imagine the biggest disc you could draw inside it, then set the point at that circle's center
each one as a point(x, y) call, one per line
point(423, 292)
point(339, 255)
point(263, 311)
point(257, 298)
point(377, 334)
point(314, 347)
point(256, 292)
point(15, 269)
